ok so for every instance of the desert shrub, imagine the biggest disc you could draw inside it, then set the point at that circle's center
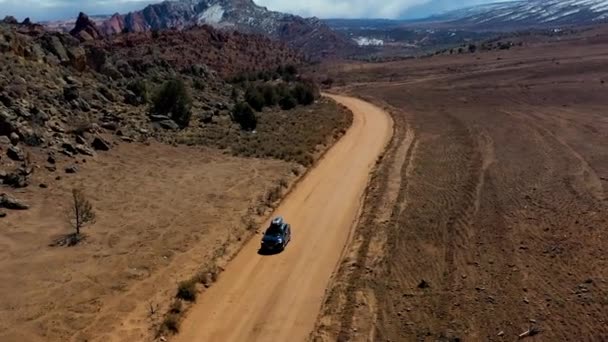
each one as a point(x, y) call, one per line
point(255, 98)
point(198, 84)
point(140, 89)
point(328, 82)
point(187, 291)
point(291, 70)
point(288, 102)
point(273, 195)
point(171, 323)
point(174, 101)
point(505, 46)
point(270, 95)
point(472, 48)
point(304, 93)
point(176, 307)
point(243, 115)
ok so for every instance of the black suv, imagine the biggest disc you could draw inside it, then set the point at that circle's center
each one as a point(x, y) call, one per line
point(277, 236)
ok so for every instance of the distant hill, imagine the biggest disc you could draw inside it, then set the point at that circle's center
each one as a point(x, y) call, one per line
point(514, 15)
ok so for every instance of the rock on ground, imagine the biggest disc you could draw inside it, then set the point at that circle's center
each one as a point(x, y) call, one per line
point(12, 203)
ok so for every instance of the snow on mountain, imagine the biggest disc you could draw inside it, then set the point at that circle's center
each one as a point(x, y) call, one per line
point(306, 34)
point(529, 13)
point(212, 15)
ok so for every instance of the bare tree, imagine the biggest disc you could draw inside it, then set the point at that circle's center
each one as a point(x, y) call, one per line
point(81, 213)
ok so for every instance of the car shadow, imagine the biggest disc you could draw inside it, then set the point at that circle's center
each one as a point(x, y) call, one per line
point(266, 252)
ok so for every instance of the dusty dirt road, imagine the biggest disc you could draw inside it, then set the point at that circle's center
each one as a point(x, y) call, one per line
point(277, 298)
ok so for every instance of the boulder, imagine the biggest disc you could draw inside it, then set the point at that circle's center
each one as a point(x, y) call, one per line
point(109, 70)
point(100, 144)
point(132, 99)
point(106, 93)
point(2, 214)
point(6, 100)
point(68, 147)
point(156, 117)
point(4, 140)
point(7, 123)
point(12, 203)
point(37, 53)
point(30, 137)
point(78, 58)
point(83, 105)
point(70, 80)
point(58, 49)
point(82, 149)
point(110, 126)
point(80, 140)
point(14, 137)
point(18, 179)
point(70, 93)
point(169, 124)
point(15, 153)
point(71, 169)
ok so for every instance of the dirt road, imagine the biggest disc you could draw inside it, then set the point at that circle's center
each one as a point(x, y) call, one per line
point(277, 298)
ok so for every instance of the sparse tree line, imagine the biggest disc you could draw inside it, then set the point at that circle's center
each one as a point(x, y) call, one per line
point(252, 92)
point(472, 48)
point(281, 87)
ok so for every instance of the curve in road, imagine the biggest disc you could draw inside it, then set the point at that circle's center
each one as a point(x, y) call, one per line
point(277, 298)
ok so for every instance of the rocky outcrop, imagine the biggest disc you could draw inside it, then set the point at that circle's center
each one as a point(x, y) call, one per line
point(85, 29)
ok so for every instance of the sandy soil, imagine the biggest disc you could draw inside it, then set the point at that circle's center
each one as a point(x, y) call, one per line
point(493, 192)
point(277, 298)
point(162, 212)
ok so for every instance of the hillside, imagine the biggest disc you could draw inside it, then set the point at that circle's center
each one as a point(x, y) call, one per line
point(516, 15)
point(309, 35)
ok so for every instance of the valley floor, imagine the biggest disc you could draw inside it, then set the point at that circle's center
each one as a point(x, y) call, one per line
point(162, 213)
point(488, 215)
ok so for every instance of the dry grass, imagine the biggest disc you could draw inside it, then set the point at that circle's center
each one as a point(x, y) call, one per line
point(296, 135)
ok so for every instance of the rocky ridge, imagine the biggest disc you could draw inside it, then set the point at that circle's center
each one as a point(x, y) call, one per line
point(66, 98)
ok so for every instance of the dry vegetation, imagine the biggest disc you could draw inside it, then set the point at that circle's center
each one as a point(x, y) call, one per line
point(297, 135)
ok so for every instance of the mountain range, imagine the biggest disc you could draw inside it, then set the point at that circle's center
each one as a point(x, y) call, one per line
point(309, 35)
point(322, 38)
point(524, 14)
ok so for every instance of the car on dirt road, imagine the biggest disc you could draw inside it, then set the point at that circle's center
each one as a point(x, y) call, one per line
point(277, 236)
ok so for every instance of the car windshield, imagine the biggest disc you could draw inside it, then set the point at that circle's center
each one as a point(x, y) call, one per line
point(274, 230)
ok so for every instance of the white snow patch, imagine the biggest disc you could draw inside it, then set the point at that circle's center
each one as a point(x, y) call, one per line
point(365, 41)
point(212, 15)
